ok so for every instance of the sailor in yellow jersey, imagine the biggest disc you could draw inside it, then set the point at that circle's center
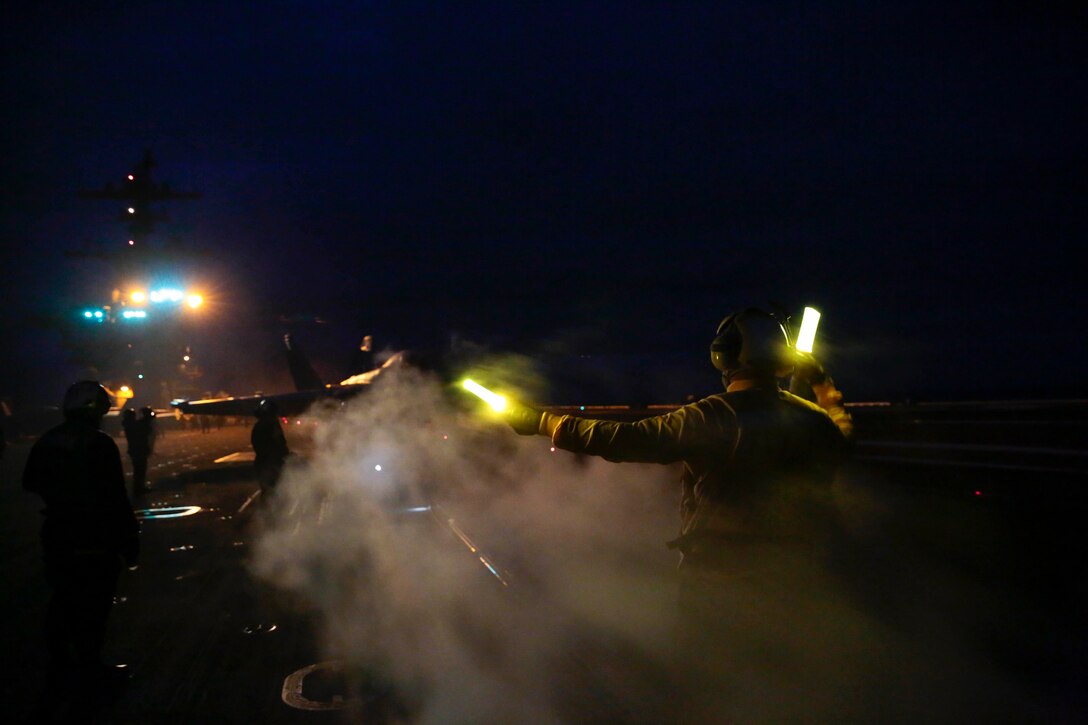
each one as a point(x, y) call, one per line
point(758, 464)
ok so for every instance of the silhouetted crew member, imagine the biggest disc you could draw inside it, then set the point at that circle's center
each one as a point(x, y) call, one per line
point(269, 444)
point(147, 420)
point(758, 464)
point(89, 532)
point(137, 434)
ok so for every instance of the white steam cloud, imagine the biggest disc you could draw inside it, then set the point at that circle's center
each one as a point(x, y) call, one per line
point(576, 622)
point(576, 545)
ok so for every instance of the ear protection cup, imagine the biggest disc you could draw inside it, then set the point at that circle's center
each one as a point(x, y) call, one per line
point(726, 346)
point(752, 338)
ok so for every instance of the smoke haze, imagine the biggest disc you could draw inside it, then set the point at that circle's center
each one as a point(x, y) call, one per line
point(576, 622)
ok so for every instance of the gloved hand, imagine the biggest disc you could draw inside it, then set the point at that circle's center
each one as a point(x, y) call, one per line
point(808, 369)
point(829, 398)
point(523, 419)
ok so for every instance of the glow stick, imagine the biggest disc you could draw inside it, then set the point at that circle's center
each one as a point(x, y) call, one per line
point(807, 335)
point(496, 401)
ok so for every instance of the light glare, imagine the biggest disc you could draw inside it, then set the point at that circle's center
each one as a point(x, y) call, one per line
point(167, 294)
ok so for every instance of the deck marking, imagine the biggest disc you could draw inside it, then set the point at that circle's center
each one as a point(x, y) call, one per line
point(292, 689)
point(252, 497)
point(236, 457)
point(167, 512)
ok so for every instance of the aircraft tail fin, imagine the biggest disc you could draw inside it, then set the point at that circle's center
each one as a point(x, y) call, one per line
point(302, 372)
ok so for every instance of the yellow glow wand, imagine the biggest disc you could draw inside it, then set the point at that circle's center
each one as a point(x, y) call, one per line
point(496, 401)
point(809, 322)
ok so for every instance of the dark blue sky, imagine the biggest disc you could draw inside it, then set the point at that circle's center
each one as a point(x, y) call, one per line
point(592, 178)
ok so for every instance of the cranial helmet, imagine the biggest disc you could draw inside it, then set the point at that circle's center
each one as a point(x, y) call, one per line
point(265, 407)
point(752, 340)
point(86, 398)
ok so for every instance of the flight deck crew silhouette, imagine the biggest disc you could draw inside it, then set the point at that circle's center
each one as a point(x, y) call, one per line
point(269, 445)
point(89, 532)
point(758, 465)
point(147, 419)
point(138, 436)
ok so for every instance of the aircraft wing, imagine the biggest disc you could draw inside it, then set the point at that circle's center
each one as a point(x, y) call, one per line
point(309, 389)
point(288, 404)
point(397, 358)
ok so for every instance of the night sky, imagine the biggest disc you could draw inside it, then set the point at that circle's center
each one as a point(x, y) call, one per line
point(603, 179)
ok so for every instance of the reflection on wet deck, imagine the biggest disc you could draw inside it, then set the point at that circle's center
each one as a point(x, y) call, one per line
point(167, 512)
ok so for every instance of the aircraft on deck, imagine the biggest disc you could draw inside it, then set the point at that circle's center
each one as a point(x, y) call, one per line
point(308, 388)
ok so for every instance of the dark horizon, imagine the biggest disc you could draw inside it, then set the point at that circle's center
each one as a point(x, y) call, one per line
point(585, 179)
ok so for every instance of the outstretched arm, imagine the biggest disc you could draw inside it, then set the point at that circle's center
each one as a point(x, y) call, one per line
point(659, 439)
point(809, 371)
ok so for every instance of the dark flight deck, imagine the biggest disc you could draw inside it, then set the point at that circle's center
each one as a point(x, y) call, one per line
point(206, 642)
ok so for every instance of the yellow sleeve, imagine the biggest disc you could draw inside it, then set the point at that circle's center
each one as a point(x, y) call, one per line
point(829, 398)
point(667, 438)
